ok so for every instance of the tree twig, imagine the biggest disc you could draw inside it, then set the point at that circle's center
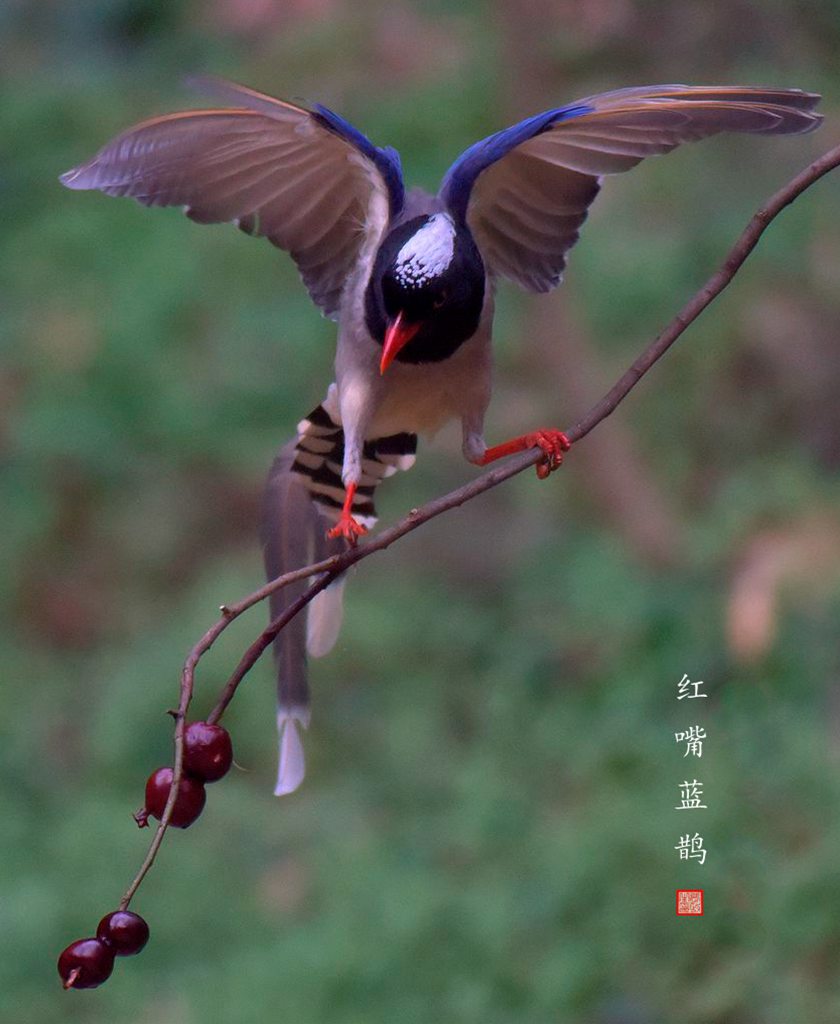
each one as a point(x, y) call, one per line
point(328, 569)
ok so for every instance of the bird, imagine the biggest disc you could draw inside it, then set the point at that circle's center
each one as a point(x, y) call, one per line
point(408, 276)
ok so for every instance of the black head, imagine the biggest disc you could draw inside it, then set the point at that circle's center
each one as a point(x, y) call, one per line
point(426, 290)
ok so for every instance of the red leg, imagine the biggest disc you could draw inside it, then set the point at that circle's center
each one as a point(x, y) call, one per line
point(552, 442)
point(347, 526)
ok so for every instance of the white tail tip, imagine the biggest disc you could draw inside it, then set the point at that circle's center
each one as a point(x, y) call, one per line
point(292, 765)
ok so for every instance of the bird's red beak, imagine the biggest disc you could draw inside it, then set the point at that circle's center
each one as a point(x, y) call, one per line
point(398, 335)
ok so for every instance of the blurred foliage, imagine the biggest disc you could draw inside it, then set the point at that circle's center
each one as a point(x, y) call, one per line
point(487, 833)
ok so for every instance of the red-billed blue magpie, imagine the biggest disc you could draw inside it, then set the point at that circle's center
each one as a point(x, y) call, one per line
point(408, 277)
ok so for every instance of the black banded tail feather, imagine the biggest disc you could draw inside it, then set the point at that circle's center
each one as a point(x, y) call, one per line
point(304, 495)
point(319, 454)
point(292, 537)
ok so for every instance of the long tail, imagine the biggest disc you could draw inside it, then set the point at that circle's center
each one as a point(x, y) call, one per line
point(303, 498)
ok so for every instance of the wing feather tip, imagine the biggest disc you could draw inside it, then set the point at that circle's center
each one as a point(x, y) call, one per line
point(74, 178)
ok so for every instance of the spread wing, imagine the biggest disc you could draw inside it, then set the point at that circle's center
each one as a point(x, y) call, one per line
point(526, 190)
point(308, 181)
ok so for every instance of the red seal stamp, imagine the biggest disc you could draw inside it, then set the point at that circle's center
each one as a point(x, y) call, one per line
point(690, 902)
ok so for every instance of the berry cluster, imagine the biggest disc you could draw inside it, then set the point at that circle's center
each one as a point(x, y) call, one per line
point(86, 963)
point(208, 755)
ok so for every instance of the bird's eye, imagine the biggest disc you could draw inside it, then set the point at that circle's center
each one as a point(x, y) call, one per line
point(439, 300)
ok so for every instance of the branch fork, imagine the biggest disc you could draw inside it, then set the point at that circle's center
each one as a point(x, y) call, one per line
point(324, 572)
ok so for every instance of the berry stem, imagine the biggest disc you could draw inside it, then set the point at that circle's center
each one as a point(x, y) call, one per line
point(248, 660)
point(157, 839)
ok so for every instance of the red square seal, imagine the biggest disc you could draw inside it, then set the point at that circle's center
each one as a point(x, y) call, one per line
point(690, 902)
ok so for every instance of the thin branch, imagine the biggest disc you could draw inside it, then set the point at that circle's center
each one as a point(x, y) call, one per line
point(251, 656)
point(710, 290)
point(328, 569)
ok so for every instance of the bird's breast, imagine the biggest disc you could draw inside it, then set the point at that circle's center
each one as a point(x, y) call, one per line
point(421, 398)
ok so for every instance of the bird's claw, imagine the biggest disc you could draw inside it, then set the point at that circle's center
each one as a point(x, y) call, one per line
point(348, 528)
point(553, 444)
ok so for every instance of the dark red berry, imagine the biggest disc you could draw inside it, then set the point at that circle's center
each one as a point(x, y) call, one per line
point(125, 932)
point(85, 963)
point(188, 804)
point(208, 753)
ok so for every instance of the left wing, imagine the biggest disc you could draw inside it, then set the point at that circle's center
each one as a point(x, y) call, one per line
point(525, 191)
point(306, 180)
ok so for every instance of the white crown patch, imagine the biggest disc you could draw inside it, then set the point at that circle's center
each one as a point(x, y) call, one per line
point(427, 253)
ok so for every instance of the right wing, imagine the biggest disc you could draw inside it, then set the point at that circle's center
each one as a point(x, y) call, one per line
point(306, 180)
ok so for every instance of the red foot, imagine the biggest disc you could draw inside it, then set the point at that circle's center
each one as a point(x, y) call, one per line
point(552, 442)
point(347, 527)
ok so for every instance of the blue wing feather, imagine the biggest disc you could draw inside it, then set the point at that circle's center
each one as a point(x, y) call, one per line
point(386, 160)
point(459, 179)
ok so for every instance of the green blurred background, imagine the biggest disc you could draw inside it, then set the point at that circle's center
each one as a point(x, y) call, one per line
point(487, 831)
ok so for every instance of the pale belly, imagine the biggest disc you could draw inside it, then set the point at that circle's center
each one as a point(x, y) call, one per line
point(422, 398)
point(418, 400)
